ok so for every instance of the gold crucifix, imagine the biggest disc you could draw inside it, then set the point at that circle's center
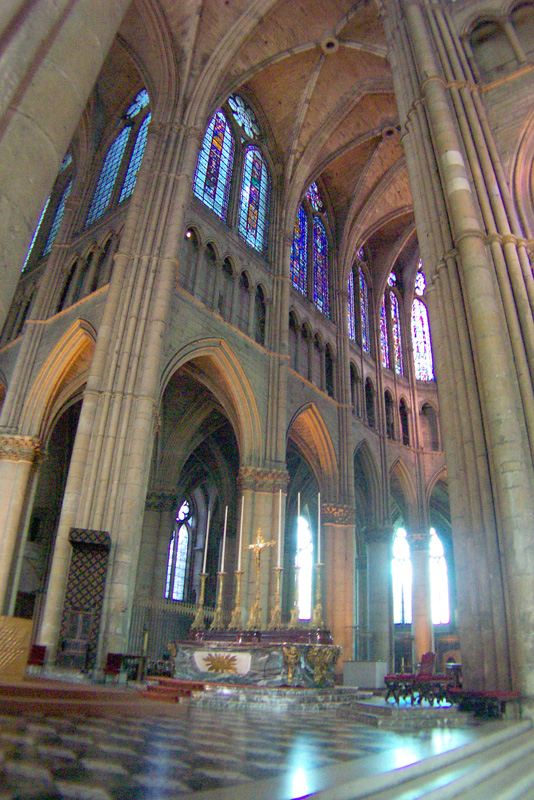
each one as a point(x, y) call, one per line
point(254, 620)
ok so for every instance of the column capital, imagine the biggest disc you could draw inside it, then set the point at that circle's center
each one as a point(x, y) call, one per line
point(20, 448)
point(258, 479)
point(337, 514)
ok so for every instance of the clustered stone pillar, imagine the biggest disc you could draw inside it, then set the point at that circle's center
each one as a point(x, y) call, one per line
point(379, 603)
point(338, 555)
point(421, 605)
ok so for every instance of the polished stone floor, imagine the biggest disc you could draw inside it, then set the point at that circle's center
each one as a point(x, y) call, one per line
point(202, 752)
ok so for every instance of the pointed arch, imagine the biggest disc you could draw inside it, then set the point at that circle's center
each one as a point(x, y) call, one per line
point(402, 490)
point(217, 367)
point(309, 432)
point(366, 486)
point(62, 375)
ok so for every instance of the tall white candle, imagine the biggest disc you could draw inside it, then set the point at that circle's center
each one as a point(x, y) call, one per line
point(279, 527)
point(240, 543)
point(224, 538)
point(206, 542)
point(319, 528)
point(298, 508)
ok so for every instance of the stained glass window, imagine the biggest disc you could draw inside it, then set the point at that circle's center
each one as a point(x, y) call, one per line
point(244, 116)
point(401, 569)
point(384, 338)
point(58, 216)
point(352, 318)
point(320, 267)
point(422, 347)
point(254, 205)
point(392, 279)
point(140, 102)
point(135, 160)
point(107, 178)
point(314, 197)
point(439, 581)
point(304, 561)
point(213, 174)
point(299, 252)
point(364, 312)
point(420, 283)
point(396, 334)
point(177, 556)
point(35, 234)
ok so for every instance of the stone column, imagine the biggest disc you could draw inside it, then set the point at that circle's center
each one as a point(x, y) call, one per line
point(421, 601)
point(379, 593)
point(260, 489)
point(18, 456)
point(338, 553)
point(62, 62)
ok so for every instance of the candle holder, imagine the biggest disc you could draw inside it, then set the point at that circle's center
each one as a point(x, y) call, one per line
point(276, 613)
point(317, 616)
point(198, 622)
point(294, 620)
point(236, 621)
point(217, 621)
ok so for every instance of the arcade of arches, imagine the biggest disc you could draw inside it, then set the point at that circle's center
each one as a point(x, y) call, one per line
point(265, 262)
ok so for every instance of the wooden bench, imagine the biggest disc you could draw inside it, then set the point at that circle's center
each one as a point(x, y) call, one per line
point(484, 703)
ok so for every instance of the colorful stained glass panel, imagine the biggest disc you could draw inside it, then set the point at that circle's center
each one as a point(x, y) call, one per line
point(106, 180)
point(213, 174)
point(396, 333)
point(422, 346)
point(314, 197)
point(351, 314)
point(384, 338)
point(321, 290)
point(135, 161)
point(299, 252)
point(255, 195)
point(364, 311)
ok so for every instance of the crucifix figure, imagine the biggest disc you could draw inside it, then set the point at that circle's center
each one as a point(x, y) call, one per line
point(254, 620)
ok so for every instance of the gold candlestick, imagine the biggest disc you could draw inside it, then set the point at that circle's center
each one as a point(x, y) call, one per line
point(254, 620)
point(198, 622)
point(317, 616)
point(294, 620)
point(236, 621)
point(217, 621)
point(276, 613)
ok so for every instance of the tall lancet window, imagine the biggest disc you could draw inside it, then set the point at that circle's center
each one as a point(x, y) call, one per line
point(254, 204)
point(384, 334)
point(439, 581)
point(422, 345)
point(310, 251)
point(178, 554)
point(304, 561)
point(351, 309)
point(390, 327)
point(213, 174)
point(364, 312)
point(401, 571)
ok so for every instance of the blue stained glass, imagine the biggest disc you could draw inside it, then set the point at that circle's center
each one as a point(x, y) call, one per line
point(396, 333)
point(135, 161)
point(320, 267)
point(60, 210)
point(384, 338)
point(392, 279)
point(244, 116)
point(314, 197)
point(364, 311)
point(255, 195)
point(422, 346)
point(299, 252)
point(213, 174)
point(141, 101)
point(107, 178)
point(35, 233)
point(352, 319)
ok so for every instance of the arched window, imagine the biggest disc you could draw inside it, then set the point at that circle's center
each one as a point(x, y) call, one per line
point(213, 174)
point(304, 562)
point(254, 203)
point(51, 216)
point(370, 403)
point(401, 572)
point(310, 259)
point(390, 423)
point(128, 148)
point(390, 328)
point(178, 554)
point(230, 141)
point(439, 581)
point(351, 311)
point(259, 316)
point(405, 427)
point(422, 347)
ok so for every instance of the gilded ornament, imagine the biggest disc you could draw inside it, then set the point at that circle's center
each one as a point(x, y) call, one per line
point(221, 662)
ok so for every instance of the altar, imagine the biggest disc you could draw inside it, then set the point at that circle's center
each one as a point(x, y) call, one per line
point(304, 658)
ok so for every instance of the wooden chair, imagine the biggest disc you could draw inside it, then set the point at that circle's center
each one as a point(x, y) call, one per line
point(427, 685)
point(113, 665)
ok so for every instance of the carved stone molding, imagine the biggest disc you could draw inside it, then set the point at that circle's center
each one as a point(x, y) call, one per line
point(262, 480)
point(20, 448)
point(337, 514)
point(161, 501)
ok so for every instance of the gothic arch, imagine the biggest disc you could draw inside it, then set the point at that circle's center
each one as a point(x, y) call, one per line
point(366, 486)
point(216, 366)
point(62, 375)
point(309, 432)
point(402, 490)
